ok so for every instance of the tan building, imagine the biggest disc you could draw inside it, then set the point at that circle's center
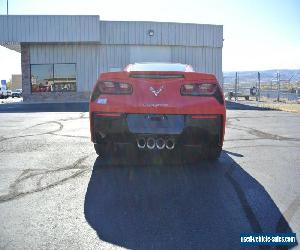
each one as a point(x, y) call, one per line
point(16, 82)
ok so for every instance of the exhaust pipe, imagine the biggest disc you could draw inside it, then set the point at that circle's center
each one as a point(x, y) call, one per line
point(151, 143)
point(160, 143)
point(141, 142)
point(170, 143)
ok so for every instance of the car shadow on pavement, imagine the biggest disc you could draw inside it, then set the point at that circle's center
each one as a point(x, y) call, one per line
point(155, 202)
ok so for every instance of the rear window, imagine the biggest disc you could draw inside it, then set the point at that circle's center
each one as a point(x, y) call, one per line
point(159, 67)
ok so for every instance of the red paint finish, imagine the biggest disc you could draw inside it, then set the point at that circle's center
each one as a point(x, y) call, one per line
point(204, 116)
point(159, 96)
point(109, 115)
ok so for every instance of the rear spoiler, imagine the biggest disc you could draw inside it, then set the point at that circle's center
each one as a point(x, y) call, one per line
point(159, 75)
point(156, 74)
point(172, 74)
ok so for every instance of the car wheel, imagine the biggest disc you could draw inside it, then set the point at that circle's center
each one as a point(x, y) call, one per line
point(101, 149)
point(213, 152)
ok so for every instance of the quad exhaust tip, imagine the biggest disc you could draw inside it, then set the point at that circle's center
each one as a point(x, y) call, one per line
point(151, 143)
point(141, 142)
point(170, 143)
point(159, 143)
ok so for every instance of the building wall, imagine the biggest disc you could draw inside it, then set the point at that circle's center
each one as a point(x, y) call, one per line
point(180, 34)
point(80, 28)
point(86, 70)
point(93, 59)
point(16, 82)
point(85, 57)
point(49, 28)
point(203, 59)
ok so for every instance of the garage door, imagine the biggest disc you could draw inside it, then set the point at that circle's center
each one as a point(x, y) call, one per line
point(150, 54)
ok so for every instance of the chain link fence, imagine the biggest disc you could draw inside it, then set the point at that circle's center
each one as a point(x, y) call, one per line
point(257, 86)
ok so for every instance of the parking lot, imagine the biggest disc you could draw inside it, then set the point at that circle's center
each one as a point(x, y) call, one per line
point(56, 194)
point(11, 100)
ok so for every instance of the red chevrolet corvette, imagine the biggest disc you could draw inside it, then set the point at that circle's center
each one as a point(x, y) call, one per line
point(158, 106)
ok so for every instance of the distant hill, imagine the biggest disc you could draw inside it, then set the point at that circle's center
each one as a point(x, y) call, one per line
point(266, 75)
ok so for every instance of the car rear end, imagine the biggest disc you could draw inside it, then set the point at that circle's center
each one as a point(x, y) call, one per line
point(158, 110)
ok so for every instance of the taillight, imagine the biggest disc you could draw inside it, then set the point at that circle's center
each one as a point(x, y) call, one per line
point(114, 88)
point(202, 89)
point(198, 89)
point(111, 88)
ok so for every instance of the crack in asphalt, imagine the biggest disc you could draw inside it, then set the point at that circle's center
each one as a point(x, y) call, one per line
point(37, 134)
point(72, 136)
point(292, 209)
point(281, 225)
point(53, 132)
point(81, 116)
point(61, 126)
point(40, 174)
point(259, 134)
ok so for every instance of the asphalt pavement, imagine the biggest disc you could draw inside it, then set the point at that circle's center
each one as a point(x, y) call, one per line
point(55, 193)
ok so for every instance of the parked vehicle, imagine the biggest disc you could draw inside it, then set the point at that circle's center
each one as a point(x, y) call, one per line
point(232, 94)
point(3, 93)
point(158, 106)
point(9, 93)
point(17, 93)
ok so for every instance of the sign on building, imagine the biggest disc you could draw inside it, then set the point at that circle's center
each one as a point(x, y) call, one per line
point(3, 84)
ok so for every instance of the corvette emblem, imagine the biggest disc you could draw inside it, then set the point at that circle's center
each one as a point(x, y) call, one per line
point(156, 91)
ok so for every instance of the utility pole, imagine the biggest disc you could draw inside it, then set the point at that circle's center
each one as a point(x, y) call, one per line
point(278, 86)
point(6, 7)
point(235, 86)
point(258, 87)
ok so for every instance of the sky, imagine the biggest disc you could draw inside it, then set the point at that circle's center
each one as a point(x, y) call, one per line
point(258, 35)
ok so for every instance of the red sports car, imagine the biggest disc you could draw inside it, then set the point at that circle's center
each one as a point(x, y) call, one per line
point(158, 106)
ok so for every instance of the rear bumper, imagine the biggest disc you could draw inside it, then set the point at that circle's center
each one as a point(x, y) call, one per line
point(186, 129)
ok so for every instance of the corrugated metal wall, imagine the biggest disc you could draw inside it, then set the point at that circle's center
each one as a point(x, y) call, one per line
point(85, 57)
point(203, 59)
point(112, 56)
point(21, 28)
point(93, 59)
point(120, 32)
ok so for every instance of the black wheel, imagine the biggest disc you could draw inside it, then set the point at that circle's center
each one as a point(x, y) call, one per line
point(247, 98)
point(213, 152)
point(101, 149)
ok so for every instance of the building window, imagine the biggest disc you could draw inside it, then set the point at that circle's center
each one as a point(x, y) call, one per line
point(59, 77)
point(41, 77)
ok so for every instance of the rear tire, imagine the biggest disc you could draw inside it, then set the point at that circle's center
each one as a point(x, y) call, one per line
point(213, 152)
point(101, 149)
